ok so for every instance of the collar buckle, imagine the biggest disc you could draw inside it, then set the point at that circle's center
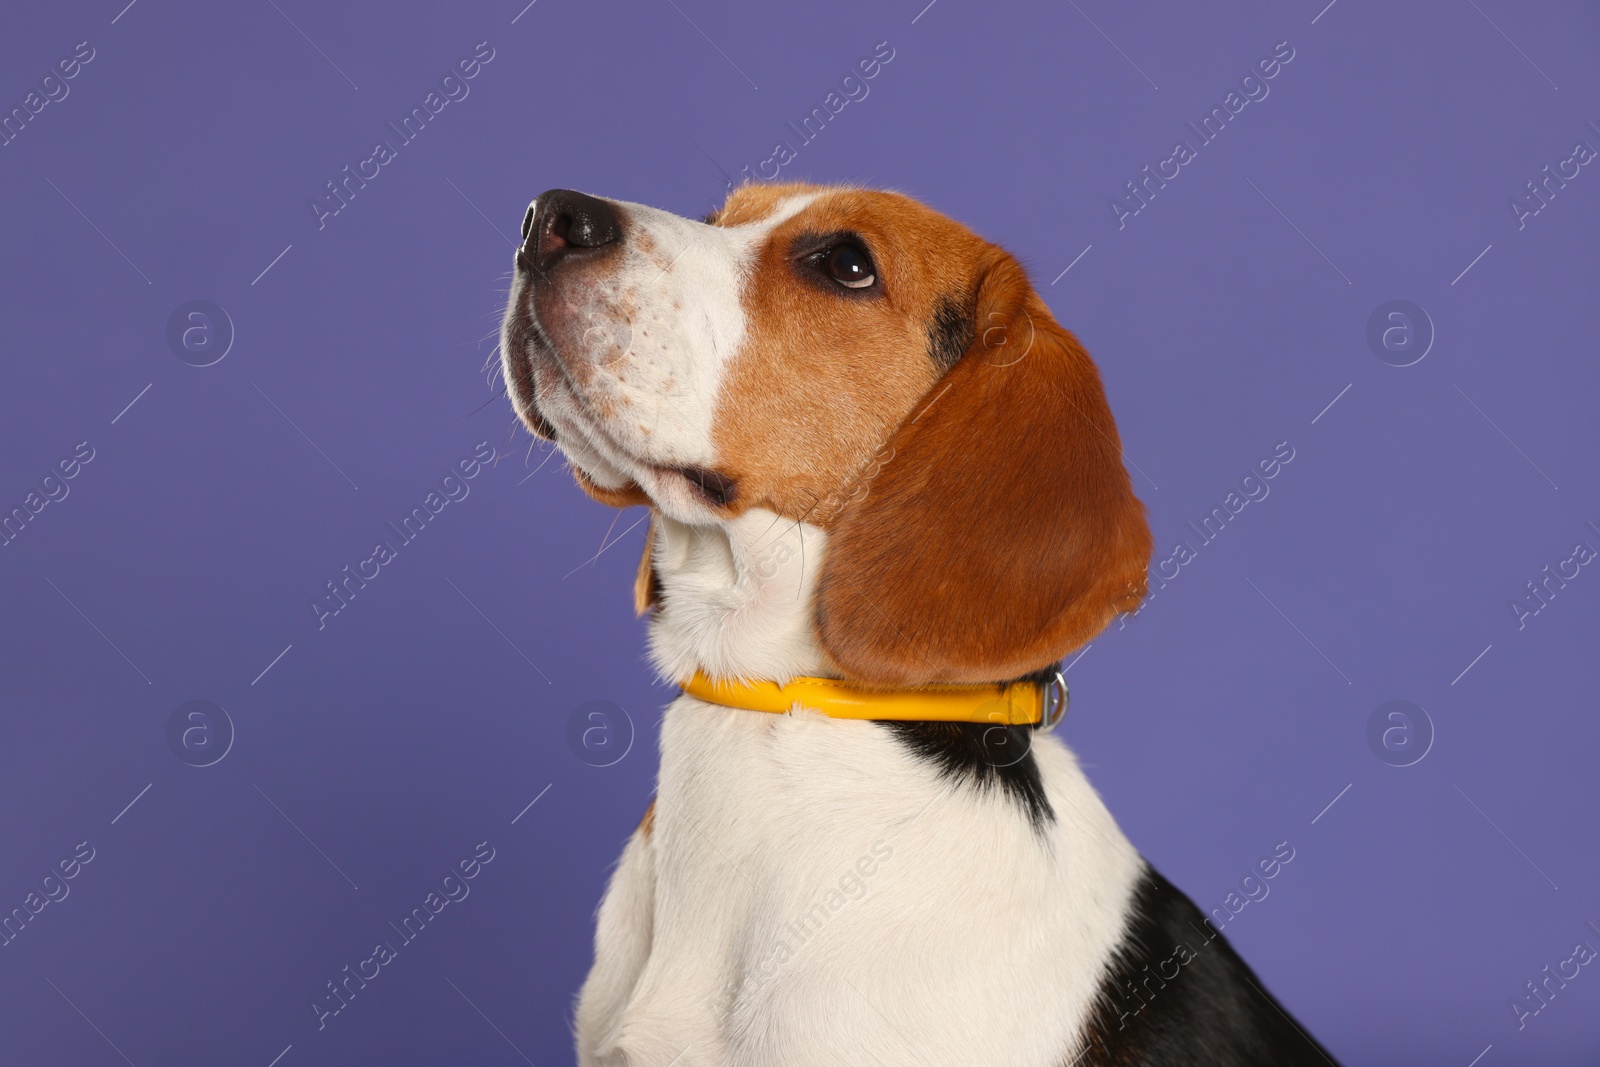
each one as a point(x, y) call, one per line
point(1055, 696)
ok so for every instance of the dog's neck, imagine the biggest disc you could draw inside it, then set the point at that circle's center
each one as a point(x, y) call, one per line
point(736, 599)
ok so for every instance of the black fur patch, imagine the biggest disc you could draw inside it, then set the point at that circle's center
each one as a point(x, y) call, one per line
point(949, 334)
point(1177, 995)
point(983, 756)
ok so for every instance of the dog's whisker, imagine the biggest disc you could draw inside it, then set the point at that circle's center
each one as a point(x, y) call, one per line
point(481, 406)
point(606, 544)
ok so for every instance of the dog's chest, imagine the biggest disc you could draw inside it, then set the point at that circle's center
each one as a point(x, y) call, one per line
point(811, 889)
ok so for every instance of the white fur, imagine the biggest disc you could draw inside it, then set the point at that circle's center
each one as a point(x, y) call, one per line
point(811, 892)
point(736, 597)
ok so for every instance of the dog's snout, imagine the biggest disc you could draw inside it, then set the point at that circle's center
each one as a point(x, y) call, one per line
point(561, 221)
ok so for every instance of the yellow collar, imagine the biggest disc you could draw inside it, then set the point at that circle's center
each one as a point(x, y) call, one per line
point(1017, 704)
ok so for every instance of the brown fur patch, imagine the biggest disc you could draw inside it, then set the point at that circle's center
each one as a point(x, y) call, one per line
point(752, 203)
point(826, 374)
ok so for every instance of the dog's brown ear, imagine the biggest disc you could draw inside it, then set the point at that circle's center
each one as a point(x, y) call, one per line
point(1003, 532)
point(646, 586)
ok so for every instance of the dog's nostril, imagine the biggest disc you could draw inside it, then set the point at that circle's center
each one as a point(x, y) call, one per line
point(591, 226)
point(561, 229)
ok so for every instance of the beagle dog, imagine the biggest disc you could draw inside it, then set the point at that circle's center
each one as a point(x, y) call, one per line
point(887, 498)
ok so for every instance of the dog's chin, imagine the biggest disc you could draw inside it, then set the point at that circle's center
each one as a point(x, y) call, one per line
point(603, 468)
point(690, 494)
point(597, 474)
point(695, 495)
point(625, 495)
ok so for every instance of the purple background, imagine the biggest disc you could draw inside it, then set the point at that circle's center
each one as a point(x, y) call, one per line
point(416, 725)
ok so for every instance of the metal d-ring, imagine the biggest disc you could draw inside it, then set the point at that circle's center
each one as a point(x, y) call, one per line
point(1055, 697)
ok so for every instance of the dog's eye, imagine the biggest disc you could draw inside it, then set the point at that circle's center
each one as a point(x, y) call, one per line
point(848, 265)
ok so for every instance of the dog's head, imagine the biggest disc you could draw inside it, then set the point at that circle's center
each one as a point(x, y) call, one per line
point(857, 362)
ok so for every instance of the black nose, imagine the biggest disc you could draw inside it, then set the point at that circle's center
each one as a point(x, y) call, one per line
point(562, 220)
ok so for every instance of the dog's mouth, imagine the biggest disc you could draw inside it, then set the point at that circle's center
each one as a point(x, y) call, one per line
point(528, 407)
point(535, 419)
point(522, 336)
point(713, 487)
